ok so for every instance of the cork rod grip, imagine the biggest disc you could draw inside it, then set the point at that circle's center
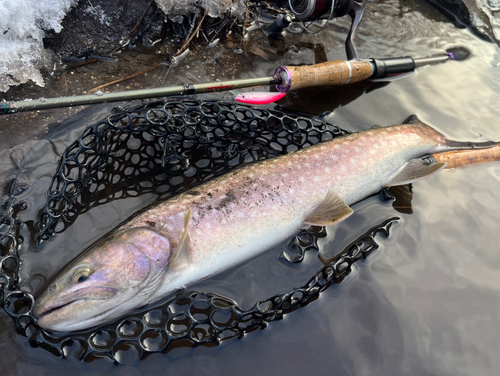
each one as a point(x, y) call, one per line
point(331, 73)
point(468, 157)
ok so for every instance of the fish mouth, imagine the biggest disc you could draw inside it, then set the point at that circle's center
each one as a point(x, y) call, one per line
point(43, 310)
point(51, 309)
point(67, 313)
point(60, 318)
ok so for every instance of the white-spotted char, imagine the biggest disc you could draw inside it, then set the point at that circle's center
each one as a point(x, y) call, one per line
point(232, 218)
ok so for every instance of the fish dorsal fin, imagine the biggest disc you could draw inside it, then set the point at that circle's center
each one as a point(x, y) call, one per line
point(413, 119)
point(331, 210)
point(413, 170)
point(182, 255)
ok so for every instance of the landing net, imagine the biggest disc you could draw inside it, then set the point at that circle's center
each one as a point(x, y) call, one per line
point(166, 148)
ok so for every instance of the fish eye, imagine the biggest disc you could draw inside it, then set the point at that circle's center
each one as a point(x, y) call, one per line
point(81, 275)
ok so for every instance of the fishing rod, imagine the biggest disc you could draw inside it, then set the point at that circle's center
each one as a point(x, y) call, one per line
point(285, 78)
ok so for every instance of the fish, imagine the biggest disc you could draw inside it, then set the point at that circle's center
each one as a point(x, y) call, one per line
point(228, 220)
point(254, 97)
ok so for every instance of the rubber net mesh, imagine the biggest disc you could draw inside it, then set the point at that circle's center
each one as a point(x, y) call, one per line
point(165, 148)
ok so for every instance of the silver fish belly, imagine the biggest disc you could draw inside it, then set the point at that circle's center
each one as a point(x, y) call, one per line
point(232, 218)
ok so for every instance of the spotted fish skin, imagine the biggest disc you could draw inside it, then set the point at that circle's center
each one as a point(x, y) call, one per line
point(250, 209)
point(236, 216)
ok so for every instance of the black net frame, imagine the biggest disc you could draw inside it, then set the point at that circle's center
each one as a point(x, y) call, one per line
point(166, 148)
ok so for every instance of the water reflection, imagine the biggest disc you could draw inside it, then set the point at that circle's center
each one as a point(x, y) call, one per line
point(328, 99)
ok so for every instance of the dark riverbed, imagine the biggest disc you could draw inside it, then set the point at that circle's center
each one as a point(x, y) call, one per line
point(427, 302)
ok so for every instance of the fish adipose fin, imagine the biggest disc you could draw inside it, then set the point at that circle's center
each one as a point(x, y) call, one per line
point(413, 119)
point(332, 209)
point(450, 144)
point(413, 170)
point(182, 255)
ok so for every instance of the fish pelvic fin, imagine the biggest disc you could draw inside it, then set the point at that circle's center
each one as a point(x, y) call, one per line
point(331, 210)
point(414, 170)
point(182, 255)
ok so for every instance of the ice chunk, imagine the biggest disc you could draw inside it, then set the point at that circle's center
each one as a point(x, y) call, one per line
point(22, 27)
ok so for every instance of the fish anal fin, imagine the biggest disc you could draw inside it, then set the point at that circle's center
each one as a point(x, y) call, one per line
point(414, 170)
point(182, 255)
point(331, 210)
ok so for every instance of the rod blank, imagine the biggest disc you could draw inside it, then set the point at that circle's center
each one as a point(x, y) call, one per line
point(99, 97)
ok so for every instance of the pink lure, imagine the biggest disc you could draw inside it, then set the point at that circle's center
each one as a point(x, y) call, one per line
point(259, 97)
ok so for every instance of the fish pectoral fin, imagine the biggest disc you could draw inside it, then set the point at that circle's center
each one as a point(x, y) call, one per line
point(182, 255)
point(332, 209)
point(413, 170)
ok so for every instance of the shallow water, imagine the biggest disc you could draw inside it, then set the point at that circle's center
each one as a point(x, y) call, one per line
point(427, 302)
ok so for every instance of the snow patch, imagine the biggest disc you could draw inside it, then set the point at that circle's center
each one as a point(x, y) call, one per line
point(22, 26)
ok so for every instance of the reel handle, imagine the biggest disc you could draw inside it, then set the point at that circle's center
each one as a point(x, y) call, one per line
point(330, 73)
point(356, 12)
